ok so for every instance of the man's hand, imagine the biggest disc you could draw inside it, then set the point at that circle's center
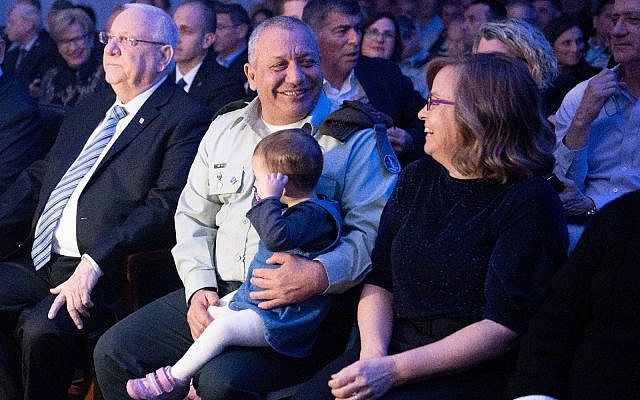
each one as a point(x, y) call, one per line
point(368, 379)
point(75, 292)
point(574, 202)
point(35, 88)
point(400, 140)
point(198, 317)
point(599, 89)
point(296, 279)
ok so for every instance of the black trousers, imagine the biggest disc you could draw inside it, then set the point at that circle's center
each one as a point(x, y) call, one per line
point(157, 335)
point(38, 355)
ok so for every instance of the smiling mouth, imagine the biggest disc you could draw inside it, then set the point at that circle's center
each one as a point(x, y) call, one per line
point(292, 93)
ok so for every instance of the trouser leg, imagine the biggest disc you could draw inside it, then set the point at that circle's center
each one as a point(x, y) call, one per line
point(155, 336)
point(248, 373)
point(19, 287)
point(46, 348)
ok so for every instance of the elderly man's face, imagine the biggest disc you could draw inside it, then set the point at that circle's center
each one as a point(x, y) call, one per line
point(130, 70)
point(19, 29)
point(286, 74)
point(625, 34)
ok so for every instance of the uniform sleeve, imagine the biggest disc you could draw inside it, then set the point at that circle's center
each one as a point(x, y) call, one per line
point(367, 186)
point(194, 252)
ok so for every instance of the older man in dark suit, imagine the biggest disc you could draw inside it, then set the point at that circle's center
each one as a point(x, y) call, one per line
point(20, 128)
point(32, 50)
point(349, 76)
point(108, 187)
point(197, 71)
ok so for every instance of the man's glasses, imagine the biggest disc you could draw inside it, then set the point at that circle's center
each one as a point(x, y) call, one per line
point(105, 38)
point(434, 102)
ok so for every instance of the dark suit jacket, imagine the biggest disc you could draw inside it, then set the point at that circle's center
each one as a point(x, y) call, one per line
point(235, 70)
point(20, 131)
point(42, 56)
point(129, 202)
point(215, 85)
point(392, 93)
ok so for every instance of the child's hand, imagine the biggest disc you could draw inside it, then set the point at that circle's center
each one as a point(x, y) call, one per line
point(272, 186)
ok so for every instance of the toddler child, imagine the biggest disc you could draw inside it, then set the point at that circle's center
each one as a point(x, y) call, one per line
point(287, 165)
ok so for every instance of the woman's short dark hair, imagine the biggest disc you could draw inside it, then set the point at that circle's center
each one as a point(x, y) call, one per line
point(497, 109)
point(294, 153)
point(397, 40)
point(558, 26)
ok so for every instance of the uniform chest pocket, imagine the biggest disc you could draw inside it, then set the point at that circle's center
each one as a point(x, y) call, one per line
point(225, 179)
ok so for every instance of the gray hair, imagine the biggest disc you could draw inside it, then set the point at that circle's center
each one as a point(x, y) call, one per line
point(526, 42)
point(160, 25)
point(31, 12)
point(281, 22)
point(63, 19)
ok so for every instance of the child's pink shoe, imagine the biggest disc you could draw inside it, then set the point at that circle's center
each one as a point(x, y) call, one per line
point(158, 385)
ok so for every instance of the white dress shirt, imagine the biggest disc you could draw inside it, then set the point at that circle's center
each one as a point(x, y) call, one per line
point(64, 237)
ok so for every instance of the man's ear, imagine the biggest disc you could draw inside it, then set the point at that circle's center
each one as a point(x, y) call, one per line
point(250, 72)
point(208, 40)
point(166, 52)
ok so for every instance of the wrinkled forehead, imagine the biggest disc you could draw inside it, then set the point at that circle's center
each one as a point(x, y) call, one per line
point(276, 42)
point(134, 22)
point(626, 7)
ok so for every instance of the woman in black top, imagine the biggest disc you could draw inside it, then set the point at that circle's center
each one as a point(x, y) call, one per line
point(466, 246)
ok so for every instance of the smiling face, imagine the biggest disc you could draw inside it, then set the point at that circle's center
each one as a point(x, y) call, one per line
point(339, 38)
point(625, 34)
point(379, 39)
point(132, 70)
point(569, 47)
point(74, 45)
point(286, 74)
point(442, 134)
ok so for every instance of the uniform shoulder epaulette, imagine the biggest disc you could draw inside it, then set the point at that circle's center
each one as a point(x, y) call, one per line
point(354, 116)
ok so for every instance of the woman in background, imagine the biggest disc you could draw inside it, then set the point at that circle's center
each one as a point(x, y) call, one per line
point(381, 37)
point(81, 72)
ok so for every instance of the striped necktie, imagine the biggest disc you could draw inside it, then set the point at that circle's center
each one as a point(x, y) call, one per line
point(41, 250)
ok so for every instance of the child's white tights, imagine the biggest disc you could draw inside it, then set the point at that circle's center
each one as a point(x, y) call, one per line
point(229, 328)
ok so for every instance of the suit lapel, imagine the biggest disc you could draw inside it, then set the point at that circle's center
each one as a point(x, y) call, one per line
point(146, 114)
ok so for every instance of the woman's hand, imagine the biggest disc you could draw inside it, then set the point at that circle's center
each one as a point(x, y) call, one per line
point(364, 379)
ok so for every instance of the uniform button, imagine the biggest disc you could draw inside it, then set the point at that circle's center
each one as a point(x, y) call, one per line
point(615, 190)
point(245, 221)
point(238, 257)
